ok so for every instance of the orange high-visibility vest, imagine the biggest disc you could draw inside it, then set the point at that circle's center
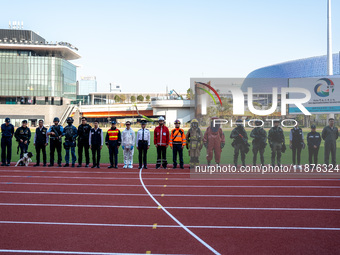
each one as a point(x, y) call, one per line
point(113, 135)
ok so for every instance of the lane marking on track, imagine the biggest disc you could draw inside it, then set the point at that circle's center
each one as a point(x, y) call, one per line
point(162, 195)
point(148, 252)
point(166, 226)
point(177, 207)
point(172, 217)
point(64, 252)
point(173, 186)
point(154, 226)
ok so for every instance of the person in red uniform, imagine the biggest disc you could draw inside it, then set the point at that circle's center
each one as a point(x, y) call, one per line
point(214, 141)
point(161, 141)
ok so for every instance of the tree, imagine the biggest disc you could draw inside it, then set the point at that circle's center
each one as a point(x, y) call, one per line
point(122, 98)
point(140, 98)
point(189, 94)
point(117, 99)
point(147, 98)
point(133, 99)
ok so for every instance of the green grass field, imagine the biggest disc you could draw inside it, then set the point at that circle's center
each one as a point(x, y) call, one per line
point(226, 158)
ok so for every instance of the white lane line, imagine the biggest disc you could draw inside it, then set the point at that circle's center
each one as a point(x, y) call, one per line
point(174, 219)
point(172, 186)
point(160, 195)
point(64, 252)
point(159, 178)
point(178, 207)
point(165, 226)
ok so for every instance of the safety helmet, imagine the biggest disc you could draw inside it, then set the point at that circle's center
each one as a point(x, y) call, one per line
point(177, 122)
point(161, 118)
point(69, 120)
point(239, 122)
point(194, 123)
point(258, 123)
point(113, 122)
point(56, 119)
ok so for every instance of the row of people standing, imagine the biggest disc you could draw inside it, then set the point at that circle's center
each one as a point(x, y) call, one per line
point(276, 140)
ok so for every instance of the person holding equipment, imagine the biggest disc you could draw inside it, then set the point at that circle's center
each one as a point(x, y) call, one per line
point(259, 141)
point(83, 142)
point(240, 142)
point(56, 133)
point(23, 136)
point(71, 134)
point(276, 141)
point(296, 144)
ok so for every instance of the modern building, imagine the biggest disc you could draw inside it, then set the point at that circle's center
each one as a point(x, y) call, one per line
point(86, 85)
point(35, 72)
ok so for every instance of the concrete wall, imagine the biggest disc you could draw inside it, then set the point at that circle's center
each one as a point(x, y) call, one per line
point(48, 112)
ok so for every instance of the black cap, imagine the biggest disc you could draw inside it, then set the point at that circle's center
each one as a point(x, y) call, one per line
point(24, 121)
point(258, 123)
point(276, 121)
point(143, 122)
point(313, 126)
point(113, 122)
point(8, 120)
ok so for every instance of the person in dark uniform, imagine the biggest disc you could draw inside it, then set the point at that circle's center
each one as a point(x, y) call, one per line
point(56, 133)
point(40, 142)
point(296, 144)
point(7, 130)
point(143, 144)
point(240, 142)
point(259, 141)
point(113, 140)
point(83, 142)
point(96, 143)
point(71, 134)
point(276, 141)
point(23, 136)
point(313, 142)
point(330, 134)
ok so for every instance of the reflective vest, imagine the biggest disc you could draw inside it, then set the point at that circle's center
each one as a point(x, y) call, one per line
point(113, 135)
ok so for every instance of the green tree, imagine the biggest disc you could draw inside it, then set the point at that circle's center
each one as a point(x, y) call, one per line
point(117, 99)
point(122, 98)
point(133, 99)
point(147, 98)
point(140, 98)
point(189, 94)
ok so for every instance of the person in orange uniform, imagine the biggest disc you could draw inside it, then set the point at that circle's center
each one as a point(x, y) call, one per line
point(177, 143)
point(161, 141)
point(214, 141)
point(113, 140)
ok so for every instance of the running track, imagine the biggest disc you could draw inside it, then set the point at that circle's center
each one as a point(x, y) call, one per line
point(105, 211)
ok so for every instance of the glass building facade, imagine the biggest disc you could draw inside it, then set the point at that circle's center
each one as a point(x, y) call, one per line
point(28, 78)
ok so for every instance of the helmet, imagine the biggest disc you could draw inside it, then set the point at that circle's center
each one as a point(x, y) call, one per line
point(56, 119)
point(69, 120)
point(313, 126)
point(194, 123)
point(258, 123)
point(113, 122)
point(239, 122)
point(7, 120)
point(161, 118)
point(143, 122)
point(177, 122)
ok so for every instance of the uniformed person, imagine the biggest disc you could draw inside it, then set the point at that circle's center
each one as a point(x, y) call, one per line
point(71, 134)
point(177, 143)
point(7, 132)
point(40, 142)
point(128, 142)
point(276, 141)
point(83, 142)
point(23, 136)
point(56, 133)
point(161, 141)
point(296, 144)
point(143, 144)
point(330, 134)
point(96, 142)
point(113, 140)
point(259, 141)
point(240, 142)
point(313, 143)
point(194, 145)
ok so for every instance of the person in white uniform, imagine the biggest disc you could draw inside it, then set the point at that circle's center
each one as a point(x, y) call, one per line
point(128, 142)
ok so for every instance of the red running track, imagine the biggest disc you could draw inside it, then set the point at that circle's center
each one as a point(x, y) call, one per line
point(102, 211)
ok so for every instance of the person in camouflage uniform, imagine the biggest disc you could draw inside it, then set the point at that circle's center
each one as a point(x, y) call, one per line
point(194, 144)
point(276, 141)
point(259, 141)
point(240, 142)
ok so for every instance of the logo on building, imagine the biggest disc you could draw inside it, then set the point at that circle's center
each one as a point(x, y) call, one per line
point(324, 87)
point(208, 92)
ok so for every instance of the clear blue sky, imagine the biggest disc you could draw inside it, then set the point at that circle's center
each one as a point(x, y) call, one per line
point(145, 45)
